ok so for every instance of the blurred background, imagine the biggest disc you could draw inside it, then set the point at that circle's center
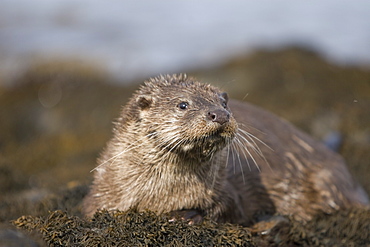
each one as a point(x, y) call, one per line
point(134, 39)
point(67, 67)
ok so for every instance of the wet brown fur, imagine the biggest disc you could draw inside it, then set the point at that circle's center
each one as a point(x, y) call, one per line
point(164, 158)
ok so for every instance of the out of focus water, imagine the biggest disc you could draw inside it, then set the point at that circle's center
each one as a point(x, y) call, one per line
point(139, 38)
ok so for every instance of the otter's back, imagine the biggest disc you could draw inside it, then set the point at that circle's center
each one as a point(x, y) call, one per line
point(294, 172)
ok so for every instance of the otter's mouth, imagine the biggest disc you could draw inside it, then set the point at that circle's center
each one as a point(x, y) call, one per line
point(205, 146)
point(202, 146)
point(216, 138)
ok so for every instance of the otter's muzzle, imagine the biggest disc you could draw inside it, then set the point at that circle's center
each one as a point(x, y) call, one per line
point(220, 116)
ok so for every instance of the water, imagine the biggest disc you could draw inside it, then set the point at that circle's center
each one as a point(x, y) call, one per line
point(140, 38)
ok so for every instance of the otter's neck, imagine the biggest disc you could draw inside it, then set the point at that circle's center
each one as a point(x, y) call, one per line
point(181, 167)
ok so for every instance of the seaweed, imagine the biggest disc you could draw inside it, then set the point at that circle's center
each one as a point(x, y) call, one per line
point(131, 228)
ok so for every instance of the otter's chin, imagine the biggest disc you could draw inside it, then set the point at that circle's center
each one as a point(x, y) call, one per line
point(203, 148)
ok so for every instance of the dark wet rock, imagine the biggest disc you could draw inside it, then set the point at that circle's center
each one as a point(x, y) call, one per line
point(12, 237)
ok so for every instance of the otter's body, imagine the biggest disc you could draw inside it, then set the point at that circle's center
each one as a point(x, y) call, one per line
point(181, 146)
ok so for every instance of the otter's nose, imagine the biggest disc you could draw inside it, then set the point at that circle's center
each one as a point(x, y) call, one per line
point(218, 116)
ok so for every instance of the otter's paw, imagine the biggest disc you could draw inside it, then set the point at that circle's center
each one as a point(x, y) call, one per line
point(264, 227)
point(192, 216)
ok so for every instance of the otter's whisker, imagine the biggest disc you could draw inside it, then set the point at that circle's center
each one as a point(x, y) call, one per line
point(255, 147)
point(233, 150)
point(162, 145)
point(179, 142)
point(227, 152)
point(251, 143)
point(244, 149)
point(212, 173)
point(240, 163)
point(256, 138)
point(169, 140)
point(239, 147)
point(130, 147)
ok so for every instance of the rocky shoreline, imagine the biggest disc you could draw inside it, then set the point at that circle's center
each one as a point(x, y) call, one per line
point(57, 117)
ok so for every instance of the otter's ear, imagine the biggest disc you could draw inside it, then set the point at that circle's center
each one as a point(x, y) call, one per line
point(225, 96)
point(144, 101)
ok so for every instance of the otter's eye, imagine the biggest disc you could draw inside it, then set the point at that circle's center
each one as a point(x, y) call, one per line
point(224, 104)
point(183, 105)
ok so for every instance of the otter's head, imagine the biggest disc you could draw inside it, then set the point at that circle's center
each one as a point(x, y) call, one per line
point(183, 116)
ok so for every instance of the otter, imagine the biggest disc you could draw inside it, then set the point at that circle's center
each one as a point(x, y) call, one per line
point(182, 147)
